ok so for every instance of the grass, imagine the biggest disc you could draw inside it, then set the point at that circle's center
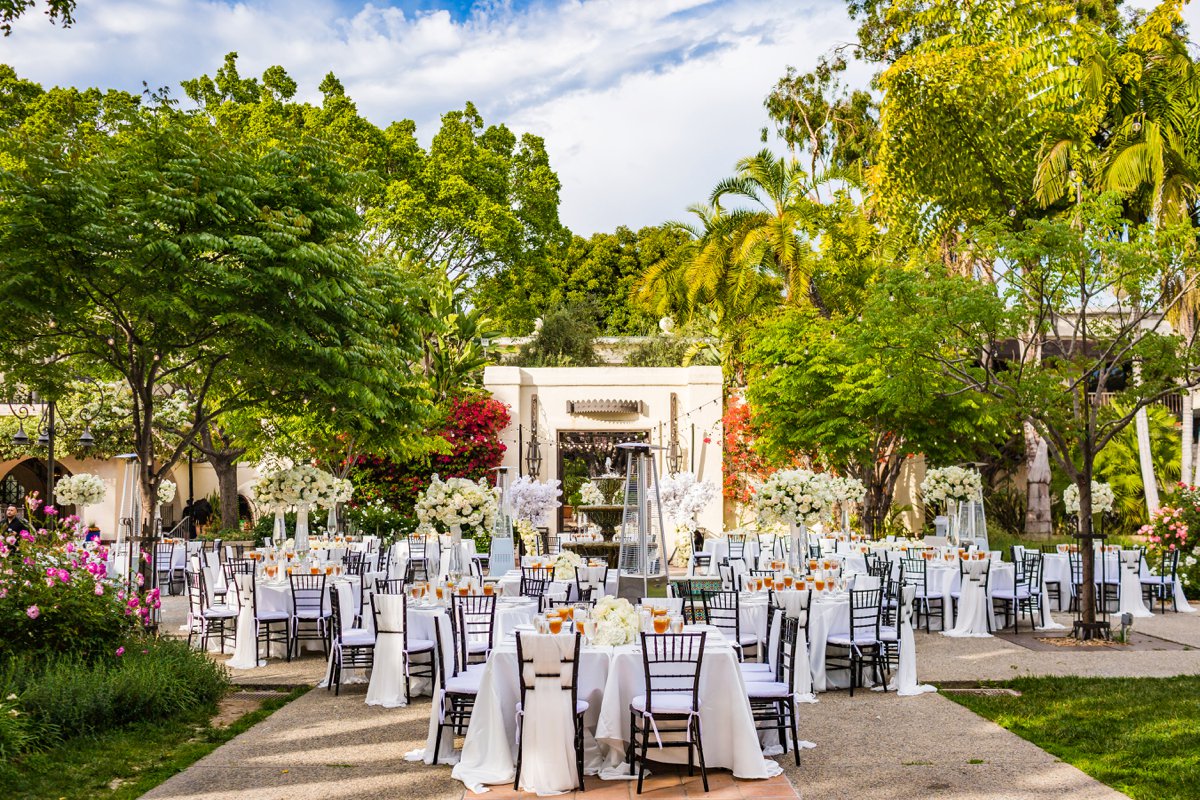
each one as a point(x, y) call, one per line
point(133, 759)
point(1137, 735)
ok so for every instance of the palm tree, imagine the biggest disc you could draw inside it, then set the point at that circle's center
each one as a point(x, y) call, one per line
point(769, 237)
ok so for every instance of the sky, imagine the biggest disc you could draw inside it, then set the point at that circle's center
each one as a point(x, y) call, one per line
point(644, 104)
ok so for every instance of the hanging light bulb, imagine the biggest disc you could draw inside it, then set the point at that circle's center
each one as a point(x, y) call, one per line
point(20, 438)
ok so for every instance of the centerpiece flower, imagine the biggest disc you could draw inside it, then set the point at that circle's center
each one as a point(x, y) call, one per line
point(683, 498)
point(1102, 498)
point(617, 622)
point(565, 564)
point(454, 505)
point(951, 486)
point(80, 490)
point(799, 498)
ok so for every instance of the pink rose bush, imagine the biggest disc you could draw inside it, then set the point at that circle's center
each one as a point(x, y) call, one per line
point(1175, 527)
point(56, 596)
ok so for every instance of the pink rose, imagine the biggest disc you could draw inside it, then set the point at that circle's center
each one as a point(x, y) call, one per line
point(120, 652)
point(33, 612)
point(99, 589)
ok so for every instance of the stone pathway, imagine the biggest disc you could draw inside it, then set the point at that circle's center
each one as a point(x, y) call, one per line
point(870, 747)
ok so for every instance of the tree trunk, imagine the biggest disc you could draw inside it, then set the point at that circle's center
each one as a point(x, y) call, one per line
point(1038, 522)
point(1087, 552)
point(226, 472)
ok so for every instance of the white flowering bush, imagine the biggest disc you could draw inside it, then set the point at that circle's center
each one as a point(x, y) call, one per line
point(617, 622)
point(1102, 498)
point(951, 483)
point(533, 500)
point(457, 502)
point(795, 496)
point(83, 489)
point(565, 564)
point(590, 495)
point(166, 492)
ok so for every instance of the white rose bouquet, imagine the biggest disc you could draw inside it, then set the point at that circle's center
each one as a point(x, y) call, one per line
point(1102, 498)
point(794, 495)
point(590, 495)
point(83, 489)
point(166, 492)
point(617, 622)
point(847, 490)
point(533, 500)
point(951, 483)
point(457, 502)
point(343, 490)
point(565, 564)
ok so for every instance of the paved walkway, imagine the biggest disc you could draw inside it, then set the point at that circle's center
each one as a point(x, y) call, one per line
point(870, 747)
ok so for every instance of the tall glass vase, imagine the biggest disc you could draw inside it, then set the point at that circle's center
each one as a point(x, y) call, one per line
point(454, 562)
point(280, 531)
point(953, 537)
point(331, 521)
point(798, 548)
point(302, 528)
point(846, 518)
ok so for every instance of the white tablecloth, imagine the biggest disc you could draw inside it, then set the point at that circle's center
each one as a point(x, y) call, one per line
point(421, 621)
point(511, 584)
point(609, 678)
point(719, 550)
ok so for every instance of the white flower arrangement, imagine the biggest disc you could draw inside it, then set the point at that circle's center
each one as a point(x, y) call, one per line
point(166, 492)
point(847, 490)
point(590, 495)
point(533, 500)
point(794, 495)
point(951, 484)
point(617, 622)
point(302, 486)
point(457, 502)
point(683, 498)
point(1102, 498)
point(83, 489)
point(565, 564)
point(528, 534)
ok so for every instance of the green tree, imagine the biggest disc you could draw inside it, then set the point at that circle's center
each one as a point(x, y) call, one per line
point(565, 339)
point(168, 255)
point(1087, 291)
point(57, 10)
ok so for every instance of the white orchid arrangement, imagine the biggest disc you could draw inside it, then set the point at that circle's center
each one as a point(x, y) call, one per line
point(617, 622)
point(457, 502)
point(683, 498)
point(794, 495)
point(590, 494)
point(565, 564)
point(1103, 498)
point(533, 500)
point(951, 484)
point(83, 489)
point(166, 492)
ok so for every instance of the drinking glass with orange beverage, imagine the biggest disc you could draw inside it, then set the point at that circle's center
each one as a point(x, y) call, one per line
point(661, 623)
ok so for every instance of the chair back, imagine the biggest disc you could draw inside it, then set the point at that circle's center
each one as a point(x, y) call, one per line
point(747, 577)
point(338, 613)
point(568, 665)
point(416, 547)
point(737, 546)
point(914, 572)
point(1168, 564)
point(389, 586)
point(308, 595)
point(474, 620)
point(789, 639)
point(390, 613)
point(164, 556)
point(864, 614)
point(536, 580)
point(722, 609)
point(195, 591)
point(1032, 572)
point(355, 563)
point(671, 663)
point(586, 584)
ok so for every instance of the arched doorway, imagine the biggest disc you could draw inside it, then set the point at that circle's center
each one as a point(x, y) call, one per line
point(29, 476)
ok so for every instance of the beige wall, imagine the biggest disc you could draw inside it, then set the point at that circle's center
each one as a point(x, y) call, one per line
point(699, 391)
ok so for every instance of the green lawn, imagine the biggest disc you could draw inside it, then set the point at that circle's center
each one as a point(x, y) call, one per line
point(1139, 735)
point(140, 756)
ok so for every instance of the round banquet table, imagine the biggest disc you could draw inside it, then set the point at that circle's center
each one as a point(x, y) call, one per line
point(719, 550)
point(422, 619)
point(510, 584)
point(609, 678)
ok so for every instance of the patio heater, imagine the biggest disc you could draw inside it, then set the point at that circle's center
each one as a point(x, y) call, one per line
point(641, 568)
point(501, 556)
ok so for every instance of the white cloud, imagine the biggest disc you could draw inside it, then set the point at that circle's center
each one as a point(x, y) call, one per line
point(643, 103)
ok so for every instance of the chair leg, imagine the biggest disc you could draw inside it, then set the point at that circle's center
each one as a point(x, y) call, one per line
point(642, 758)
point(700, 751)
point(791, 712)
point(520, 747)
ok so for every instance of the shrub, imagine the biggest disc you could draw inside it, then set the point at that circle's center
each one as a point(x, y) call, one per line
point(152, 679)
point(19, 732)
point(55, 596)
